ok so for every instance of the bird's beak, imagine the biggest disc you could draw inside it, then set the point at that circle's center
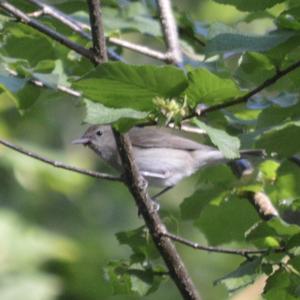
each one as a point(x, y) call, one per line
point(82, 140)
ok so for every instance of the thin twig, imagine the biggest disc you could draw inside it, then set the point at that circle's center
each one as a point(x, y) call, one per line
point(59, 164)
point(242, 252)
point(169, 28)
point(270, 81)
point(140, 49)
point(46, 30)
point(39, 83)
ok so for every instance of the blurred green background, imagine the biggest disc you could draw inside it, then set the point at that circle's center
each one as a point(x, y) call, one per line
point(57, 228)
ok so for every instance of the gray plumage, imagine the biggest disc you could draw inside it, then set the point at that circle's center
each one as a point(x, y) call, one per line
point(163, 158)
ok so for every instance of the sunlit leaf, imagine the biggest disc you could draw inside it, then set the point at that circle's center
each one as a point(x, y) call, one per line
point(96, 113)
point(121, 85)
point(227, 144)
point(206, 87)
point(251, 5)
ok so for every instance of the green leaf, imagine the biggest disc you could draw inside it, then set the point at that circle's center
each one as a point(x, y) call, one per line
point(278, 139)
point(44, 66)
point(255, 67)
point(96, 113)
point(206, 87)
point(138, 19)
point(290, 19)
point(215, 184)
point(12, 83)
point(279, 54)
point(128, 278)
point(227, 221)
point(121, 85)
point(116, 273)
point(226, 39)
point(279, 279)
point(244, 275)
point(139, 241)
point(253, 5)
point(279, 294)
point(274, 228)
point(227, 144)
point(192, 206)
point(282, 228)
point(276, 115)
point(294, 241)
point(268, 170)
point(27, 96)
point(25, 43)
point(237, 43)
point(7, 93)
point(295, 261)
point(287, 189)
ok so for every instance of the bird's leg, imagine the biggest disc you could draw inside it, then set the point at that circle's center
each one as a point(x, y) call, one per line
point(155, 197)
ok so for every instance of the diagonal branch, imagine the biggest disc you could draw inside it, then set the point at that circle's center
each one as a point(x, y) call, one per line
point(270, 81)
point(157, 229)
point(12, 10)
point(59, 164)
point(138, 188)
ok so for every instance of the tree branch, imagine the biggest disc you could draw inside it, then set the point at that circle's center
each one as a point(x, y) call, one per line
point(169, 28)
point(270, 81)
point(242, 252)
point(80, 28)
point(157, 229)
point(138, 188)
point(46, 30)
point(59, 164)
point(98, 38)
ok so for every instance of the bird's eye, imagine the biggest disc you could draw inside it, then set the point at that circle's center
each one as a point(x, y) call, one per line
point(99, 132)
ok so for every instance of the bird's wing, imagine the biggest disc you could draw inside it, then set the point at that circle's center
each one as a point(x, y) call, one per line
point(149, 137)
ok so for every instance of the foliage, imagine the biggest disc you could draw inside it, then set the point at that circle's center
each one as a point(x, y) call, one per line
point(235, 60)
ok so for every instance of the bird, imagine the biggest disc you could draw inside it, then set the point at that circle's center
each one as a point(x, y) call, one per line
point(163, 158)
